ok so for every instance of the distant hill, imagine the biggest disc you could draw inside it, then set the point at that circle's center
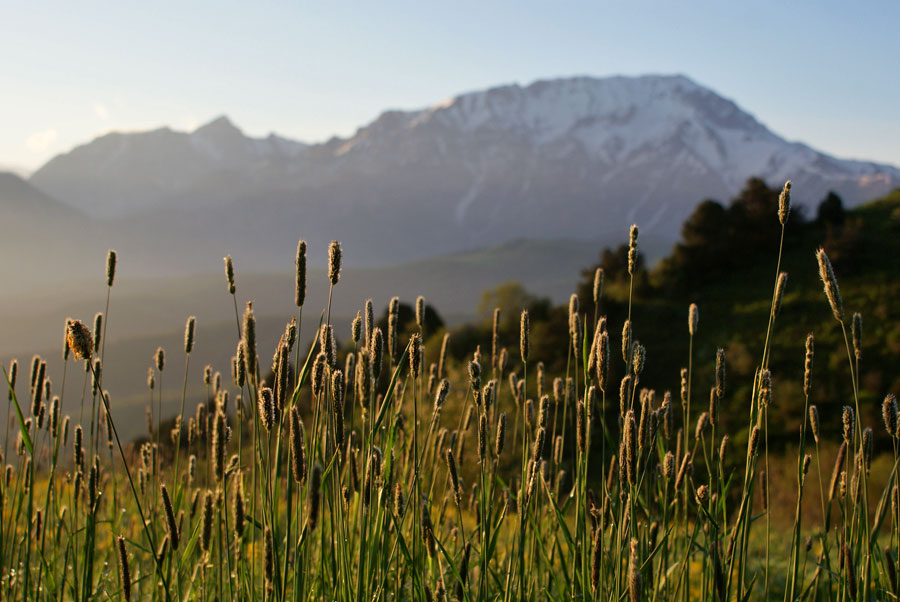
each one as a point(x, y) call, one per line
point(148, 312)
point(19, 196)
point(41, 238)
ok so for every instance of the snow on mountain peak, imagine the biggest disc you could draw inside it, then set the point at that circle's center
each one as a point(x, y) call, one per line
point(646, 148)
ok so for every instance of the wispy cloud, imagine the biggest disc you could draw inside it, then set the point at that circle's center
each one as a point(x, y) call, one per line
point(101, 110)
point(40, 142)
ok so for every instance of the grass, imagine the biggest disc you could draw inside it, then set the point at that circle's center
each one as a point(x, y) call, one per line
point(363, 473)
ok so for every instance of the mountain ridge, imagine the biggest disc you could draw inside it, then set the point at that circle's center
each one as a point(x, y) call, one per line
point(579, 158)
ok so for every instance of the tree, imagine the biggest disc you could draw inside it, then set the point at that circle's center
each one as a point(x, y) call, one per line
point(831, 210)
point(511, 298)
point(703, 253)
point(406, 321)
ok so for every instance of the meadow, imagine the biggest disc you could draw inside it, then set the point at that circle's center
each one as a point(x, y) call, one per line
point(363, 466)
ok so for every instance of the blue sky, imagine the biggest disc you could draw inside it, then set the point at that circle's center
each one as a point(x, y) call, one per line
point(823, 72)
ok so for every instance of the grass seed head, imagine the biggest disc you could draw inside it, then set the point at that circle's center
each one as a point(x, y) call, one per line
point(780, 285)
point(317, 380)
point(889, 412)
point(327, 345)
point(475, 378)
point(603, 362)
point(625, 388)
point(78, 336)
point(693, 319)
point(356, 328)
point(814, 422)
point(300, 284)
point(98, 331)
point(249, 341)
point(207, 521)
point(635, 586)
point(171, 525)
point(631, 451)
point(669, 466)
point(544, 411)
point(720, 373)
point(537, 449)
point(218, 446)
point(597, 561)
point(847, 419)
point(598, 285)
point(482, 437)
point(868, 447)
point(443, 356)
point(808, 364)
point(415, 355)
point(753, 444)
point(266, 408)
point(856, 332)
point(524, 342)
point(488, 394)
point(298, 447)
point(639, 358)
point(576, 333)
point(38, 388)
point(111, 259)
point(123, 568)
point(54, 417)
point(580, 422)
point(784, 203)
point(269, 560)
point(441, 395)
point(702, 494)
point(500, 439)
point(702, 424)
point(454, 476)
point(14, 370)
point(626, 341)
point(632, 249)
point(420, 312)
point(229, 273)
point(189, 334)
point(334, 262)
point(159, 358)
point(369, 318)
point(832, 292)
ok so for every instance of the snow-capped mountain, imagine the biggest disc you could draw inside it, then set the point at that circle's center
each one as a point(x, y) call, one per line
point(569, 158)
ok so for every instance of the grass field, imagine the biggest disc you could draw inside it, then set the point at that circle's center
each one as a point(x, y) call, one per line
point(378, 469)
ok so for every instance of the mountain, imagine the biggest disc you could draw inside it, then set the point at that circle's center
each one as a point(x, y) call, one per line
point(20, 197)
point(577, 158)
point(41, 238)
point(122, 173)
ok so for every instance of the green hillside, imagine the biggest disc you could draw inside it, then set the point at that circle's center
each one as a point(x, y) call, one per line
point(730, 274)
